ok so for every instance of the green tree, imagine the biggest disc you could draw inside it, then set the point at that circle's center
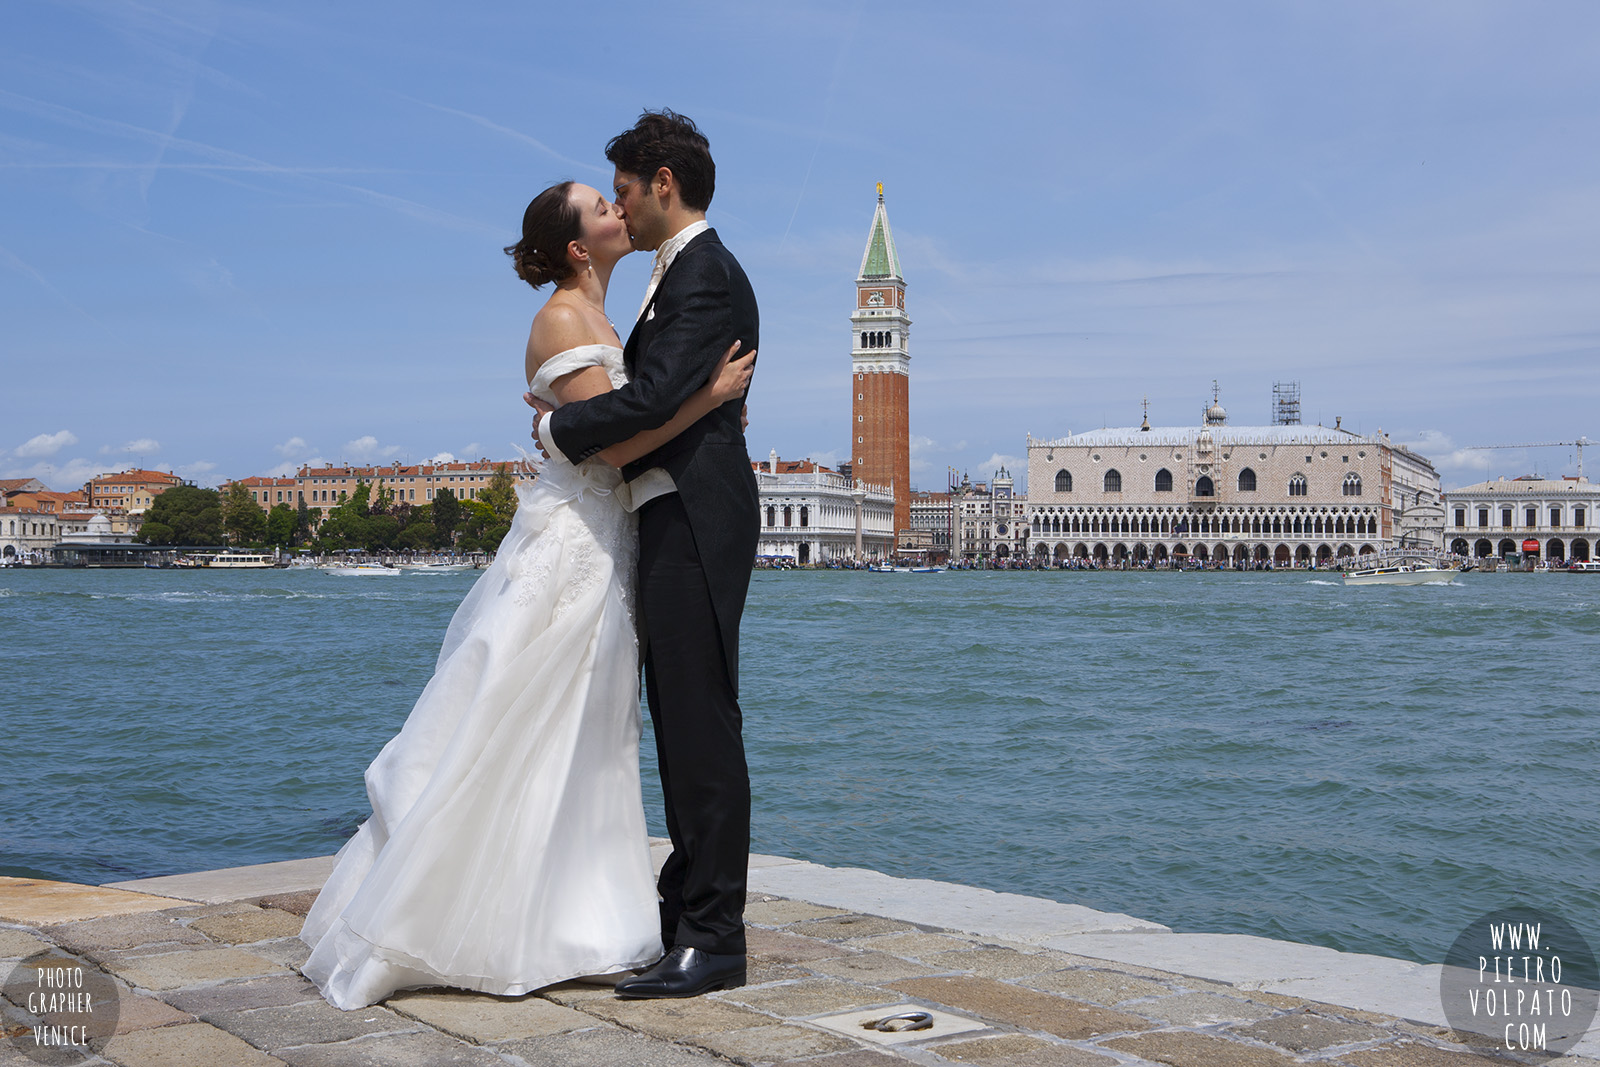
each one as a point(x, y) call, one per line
point(501, 494)
point(484, 529)
point(281, 522)
point(184, 515)
point(446, 516)
point(242, 517)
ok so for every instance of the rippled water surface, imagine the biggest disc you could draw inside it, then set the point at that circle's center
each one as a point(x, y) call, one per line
point(1368, 769)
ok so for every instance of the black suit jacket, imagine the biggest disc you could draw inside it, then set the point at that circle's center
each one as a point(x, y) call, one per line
point(702, 304)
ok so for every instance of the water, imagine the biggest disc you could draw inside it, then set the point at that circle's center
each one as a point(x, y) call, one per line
point(1367, 769)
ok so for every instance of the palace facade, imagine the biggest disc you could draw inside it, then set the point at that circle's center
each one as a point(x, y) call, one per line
point(810, 514)
point(1543, 518)
point(1288, 495)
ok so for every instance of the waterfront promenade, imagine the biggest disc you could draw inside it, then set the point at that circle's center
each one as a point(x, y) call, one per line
point(206, 965)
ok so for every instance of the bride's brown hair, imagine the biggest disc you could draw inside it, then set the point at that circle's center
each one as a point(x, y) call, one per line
point(548, 226)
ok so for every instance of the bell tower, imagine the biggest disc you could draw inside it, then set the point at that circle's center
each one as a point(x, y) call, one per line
point(880, 371)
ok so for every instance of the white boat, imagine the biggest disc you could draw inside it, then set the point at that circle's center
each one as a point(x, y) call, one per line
point(353, 570)
point(1400, 574)
point(1583, 566)
point(435, 568)
point(242, 561)
point(927, 570)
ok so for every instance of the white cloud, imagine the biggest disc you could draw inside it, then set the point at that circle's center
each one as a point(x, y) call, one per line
point(366, 449)
point(63, 477)
point(46, 444)
point(194, 470)
point(288, 468)
point(141, 446)
point(442, 457)
point(293, 448)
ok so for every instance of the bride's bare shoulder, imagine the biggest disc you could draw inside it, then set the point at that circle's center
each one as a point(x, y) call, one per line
point(557, 327)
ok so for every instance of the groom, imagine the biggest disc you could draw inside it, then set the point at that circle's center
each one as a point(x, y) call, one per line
point(697, 503)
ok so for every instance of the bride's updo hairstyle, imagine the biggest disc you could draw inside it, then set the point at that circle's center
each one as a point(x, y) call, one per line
point(548, 226)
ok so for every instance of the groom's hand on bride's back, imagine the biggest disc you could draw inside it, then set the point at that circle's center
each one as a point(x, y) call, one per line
point(540, 410)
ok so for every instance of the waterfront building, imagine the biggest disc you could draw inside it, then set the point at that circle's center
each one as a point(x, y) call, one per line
point(1244, 495)
point(1543, 518)
point(130, 492)
point(322, 488)
point(880, 365)
point(931, 527)
point(32, 520)
point(28, 533)
point(991, 519)
point(811, 514)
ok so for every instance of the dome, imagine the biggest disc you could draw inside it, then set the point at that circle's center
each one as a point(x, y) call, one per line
point(1216, 414)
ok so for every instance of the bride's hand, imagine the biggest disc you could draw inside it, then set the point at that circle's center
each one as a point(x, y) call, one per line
point(732, 376)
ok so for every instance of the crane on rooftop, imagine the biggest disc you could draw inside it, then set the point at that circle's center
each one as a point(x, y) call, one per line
point(1578, 444)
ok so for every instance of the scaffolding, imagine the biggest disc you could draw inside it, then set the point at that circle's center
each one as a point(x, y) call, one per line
point(1286, 403)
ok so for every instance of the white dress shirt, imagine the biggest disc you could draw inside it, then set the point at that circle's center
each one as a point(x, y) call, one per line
point(655, 481)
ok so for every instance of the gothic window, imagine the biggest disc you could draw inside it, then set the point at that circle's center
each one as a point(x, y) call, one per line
point(1352, 484)
point(1063, 481)
point(1163, 481)
point(1297, 485)
point(788, 515)
point(1247, 481)
point(1203, 487)
point(863, 339)
point(772, 517)
point(1113, 482)
point(805, 515)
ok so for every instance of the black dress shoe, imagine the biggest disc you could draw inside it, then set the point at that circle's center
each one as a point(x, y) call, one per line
point(684, 972)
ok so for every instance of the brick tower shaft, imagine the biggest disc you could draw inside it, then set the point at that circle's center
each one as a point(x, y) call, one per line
point(880, 363)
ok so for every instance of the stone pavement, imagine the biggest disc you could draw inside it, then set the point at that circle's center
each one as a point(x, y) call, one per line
point(206, 965)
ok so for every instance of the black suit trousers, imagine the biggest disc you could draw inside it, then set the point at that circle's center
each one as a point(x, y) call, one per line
point(699, 739)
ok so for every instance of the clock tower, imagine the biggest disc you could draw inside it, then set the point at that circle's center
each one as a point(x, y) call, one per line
point(880, 371)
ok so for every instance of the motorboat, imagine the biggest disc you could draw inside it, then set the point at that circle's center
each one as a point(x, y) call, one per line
point(1583, 566)
point(242, 561)
point(360, 570)
point(1400, 570)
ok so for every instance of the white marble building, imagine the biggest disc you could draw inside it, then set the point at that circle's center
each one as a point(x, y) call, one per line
point(1547, 518)
point(810, 514)
point(1245, 495)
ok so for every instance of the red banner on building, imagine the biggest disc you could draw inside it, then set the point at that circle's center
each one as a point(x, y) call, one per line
point(1530, 545)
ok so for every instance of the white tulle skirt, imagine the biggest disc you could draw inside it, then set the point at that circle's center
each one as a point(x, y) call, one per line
point(507, 848)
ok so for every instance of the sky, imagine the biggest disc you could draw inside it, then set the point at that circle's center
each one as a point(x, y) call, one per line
point(239, 237)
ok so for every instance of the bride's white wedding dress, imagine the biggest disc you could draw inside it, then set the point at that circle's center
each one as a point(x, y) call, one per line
point(507, 847)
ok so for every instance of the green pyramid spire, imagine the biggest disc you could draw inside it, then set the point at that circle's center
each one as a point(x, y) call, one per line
point(881, 260)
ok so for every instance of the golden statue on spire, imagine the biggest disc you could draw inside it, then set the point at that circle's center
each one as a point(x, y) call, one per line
point(880, 190)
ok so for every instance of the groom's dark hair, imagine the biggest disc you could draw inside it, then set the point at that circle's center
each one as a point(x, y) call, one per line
point(667, 139)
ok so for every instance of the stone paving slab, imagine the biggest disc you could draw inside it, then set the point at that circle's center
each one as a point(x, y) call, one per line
point(1005, 916)
point(237, 883)
point(37, 901)
point(1373, 983)
point(189, 1045)
point(245, 927)
point(487, 1019)
point(175, 970)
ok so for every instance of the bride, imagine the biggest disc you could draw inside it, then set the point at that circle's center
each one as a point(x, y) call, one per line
point(507, 849)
